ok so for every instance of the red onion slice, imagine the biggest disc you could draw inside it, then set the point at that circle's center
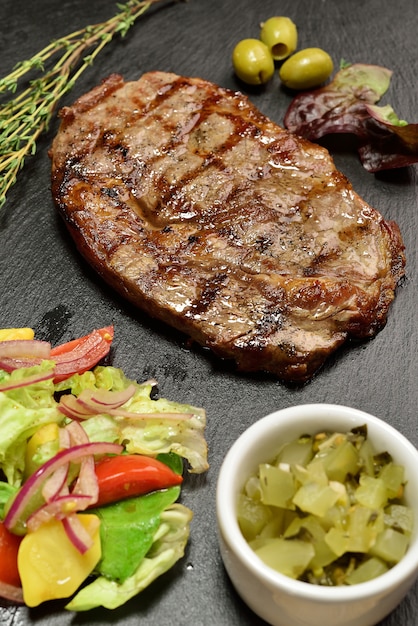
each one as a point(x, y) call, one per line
point(145, 416)
point(77, 533)
point(70, 407)
point(86, 482)
point(76, 433)
point(101, 399)
point(25, 349)
point(90, 402)
point(34, 482)
point(25, 382)
point(54, 484)
point(11, 593)
point(8, 365)
point(19, 353)
point(60, 508)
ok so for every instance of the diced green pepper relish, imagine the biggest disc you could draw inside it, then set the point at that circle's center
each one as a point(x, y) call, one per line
point(327, 510)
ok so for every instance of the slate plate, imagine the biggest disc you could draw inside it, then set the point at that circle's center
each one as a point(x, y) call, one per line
point(45, 284)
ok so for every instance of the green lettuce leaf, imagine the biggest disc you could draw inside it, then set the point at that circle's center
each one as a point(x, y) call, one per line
point(6, 492)
point(152, 436)
point(168, 547)
point(23, 411)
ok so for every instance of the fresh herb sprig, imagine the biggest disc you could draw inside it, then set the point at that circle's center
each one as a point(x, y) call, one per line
point(26, 115)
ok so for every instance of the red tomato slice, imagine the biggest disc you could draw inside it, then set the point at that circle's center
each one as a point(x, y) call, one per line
point(9, 546)
point(80, 355)
point(131, 475)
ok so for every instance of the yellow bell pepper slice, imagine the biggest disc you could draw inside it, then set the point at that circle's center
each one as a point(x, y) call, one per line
point(9, 334)
point(46, 434)
point(50, 566)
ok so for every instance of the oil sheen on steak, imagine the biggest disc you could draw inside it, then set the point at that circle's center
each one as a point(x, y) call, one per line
point(204, 213)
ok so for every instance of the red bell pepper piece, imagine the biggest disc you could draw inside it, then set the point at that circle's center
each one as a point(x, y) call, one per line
point(9, 546)
point(131, 475)
point(80, 355)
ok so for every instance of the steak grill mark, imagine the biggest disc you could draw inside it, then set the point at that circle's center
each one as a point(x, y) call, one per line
point(200, 210)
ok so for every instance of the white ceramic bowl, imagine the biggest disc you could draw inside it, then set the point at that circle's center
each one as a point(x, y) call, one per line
point(280, 600)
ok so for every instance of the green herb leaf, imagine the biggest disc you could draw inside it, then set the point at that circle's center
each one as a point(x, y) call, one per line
point(27, 115)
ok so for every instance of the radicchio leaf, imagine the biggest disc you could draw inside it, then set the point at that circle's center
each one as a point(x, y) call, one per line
point(340, 106)
point(392, 143)
point(347, 105)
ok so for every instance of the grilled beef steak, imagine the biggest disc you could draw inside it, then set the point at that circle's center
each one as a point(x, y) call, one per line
point(207, 215)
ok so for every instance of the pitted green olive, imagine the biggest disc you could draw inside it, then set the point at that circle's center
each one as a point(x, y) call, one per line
point(252, 61)
point(280, 36)
point(306, 69)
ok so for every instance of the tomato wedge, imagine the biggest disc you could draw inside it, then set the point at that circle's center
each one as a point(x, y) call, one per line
point(79, 355)
point(131, 475)
point(9, 546)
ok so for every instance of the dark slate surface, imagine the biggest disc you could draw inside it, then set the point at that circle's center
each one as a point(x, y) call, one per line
point(45, 284)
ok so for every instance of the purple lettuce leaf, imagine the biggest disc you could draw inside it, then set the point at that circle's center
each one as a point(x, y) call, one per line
point(392, 143)
point(347, 105)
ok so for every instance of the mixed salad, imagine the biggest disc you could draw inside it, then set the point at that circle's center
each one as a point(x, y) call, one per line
point(91, 468)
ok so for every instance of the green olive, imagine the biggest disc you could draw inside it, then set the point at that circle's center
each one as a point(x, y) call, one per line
point(252, 61)
point(280, 36)
point(306, 69)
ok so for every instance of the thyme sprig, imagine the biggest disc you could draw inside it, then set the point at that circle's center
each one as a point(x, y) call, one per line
point(26, 115)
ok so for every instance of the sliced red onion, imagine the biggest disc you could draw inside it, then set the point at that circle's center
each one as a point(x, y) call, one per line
point(11, 593)
point(25, 349)
point(8, 365)
point(70, 407)
point(34, 482)
point(54, 485)
point(86, 482)
point(64, 438)
point(145, 416)
point(90, 403)
point(76, 433)
point(24, 382)
point(61, 507)
point(102, 399)
point(77, 533)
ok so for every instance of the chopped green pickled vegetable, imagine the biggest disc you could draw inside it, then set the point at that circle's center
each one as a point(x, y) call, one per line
point(313, 472)
point(280, 521)
point(328, 509)
point(337, 539)
point(399, 517)
point(315, 498)
point(252, 516)
point(340, 459)
point(366, 458)
point(372, 568)
point(394, 478)
point(289, 557)
point(371, 492)
point(252, 488)
point(277, 485)
point(310, 529)
point(390, 545)
point(298, 452)
point(364, 525)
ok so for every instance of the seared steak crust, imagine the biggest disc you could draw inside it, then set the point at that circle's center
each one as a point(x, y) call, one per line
point(207, 215)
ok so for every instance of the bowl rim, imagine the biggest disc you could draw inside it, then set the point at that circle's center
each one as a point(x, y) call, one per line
point(229, 530)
